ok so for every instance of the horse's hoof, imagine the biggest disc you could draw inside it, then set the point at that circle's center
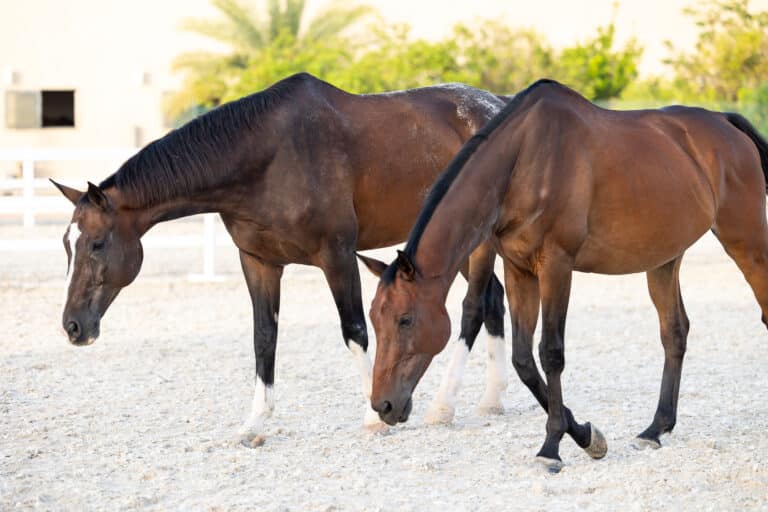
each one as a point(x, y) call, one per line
point(552, 466)
point(491, 409)
point(252, 439)
point(598, 446)
point(440, 414)
point(376, 428)
point(641, 443)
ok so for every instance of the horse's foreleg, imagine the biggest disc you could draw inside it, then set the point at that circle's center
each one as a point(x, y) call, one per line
point(555, 289)
point(664, 288)
point(483, 303)
point(524, 298)
point(524, 295)
point(341, 273)
point(263, 283)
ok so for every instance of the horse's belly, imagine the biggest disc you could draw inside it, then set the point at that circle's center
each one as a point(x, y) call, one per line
point(637, 248)
point(645, 215)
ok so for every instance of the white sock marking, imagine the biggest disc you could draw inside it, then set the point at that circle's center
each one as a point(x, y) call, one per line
point(453, 377)
point(261, 408)
point(496, 373)
point(72, 237)
point(364, 366)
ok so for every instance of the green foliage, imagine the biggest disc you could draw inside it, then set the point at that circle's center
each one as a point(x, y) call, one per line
point(498, 58)
point(595, 69)
point(731, 51)
point(261, 50)
point(392, 62)
point(727, 70)
point(490, 55)
point(753, 103)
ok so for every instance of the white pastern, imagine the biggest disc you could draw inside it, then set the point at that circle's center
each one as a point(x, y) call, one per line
point(261, 409)
point(72, 237)
point(443, 407)
point(364, 366)
point(497, 377)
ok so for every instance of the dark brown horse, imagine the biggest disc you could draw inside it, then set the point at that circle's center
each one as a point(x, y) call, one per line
point(559, 185)
point(300, 173)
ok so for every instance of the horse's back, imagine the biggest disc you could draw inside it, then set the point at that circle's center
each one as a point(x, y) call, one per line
point(398, 144)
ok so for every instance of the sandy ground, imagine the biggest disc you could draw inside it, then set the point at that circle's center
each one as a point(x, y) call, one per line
point(145, 418)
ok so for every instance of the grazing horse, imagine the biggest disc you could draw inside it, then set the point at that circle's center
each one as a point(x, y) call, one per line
point(559, 184)
point(301, 172)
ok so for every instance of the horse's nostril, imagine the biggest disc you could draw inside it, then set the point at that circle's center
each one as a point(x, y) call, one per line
point(382, 407)
point(73, 328)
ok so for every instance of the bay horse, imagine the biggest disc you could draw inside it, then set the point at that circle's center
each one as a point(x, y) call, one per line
point(560, 184)
point(301, 172)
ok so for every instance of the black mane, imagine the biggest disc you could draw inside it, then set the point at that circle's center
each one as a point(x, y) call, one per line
point(447, 177)
point(201, 154)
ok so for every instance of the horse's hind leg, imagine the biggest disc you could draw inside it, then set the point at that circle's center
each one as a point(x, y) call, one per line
point(664, 288)
point(742, 229)
point(483, 302)
point(750, 252)
point(496, 370)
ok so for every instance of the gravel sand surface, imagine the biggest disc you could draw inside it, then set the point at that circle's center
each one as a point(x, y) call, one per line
point(146, 417)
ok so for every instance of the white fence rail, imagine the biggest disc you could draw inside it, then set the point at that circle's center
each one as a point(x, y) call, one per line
point(29, 204)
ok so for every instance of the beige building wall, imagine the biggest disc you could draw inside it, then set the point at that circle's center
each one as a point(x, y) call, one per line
point(116, 56)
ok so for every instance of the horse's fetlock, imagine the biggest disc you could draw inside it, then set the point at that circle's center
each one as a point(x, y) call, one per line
point(356, 332)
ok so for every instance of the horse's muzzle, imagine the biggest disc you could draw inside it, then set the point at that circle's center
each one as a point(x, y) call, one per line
point(390, 413)
point(81, 333)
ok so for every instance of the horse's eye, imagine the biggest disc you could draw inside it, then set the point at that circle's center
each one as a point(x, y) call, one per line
point(98, 245)
point(404, 322)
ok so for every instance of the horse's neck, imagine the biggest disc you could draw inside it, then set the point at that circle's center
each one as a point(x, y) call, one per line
point(467, 213)
point(145, 217)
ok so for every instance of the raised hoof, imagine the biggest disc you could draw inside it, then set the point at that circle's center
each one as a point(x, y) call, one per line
point(490, 410)
point(252, 440)
point(598, 446)
point(439, 414)
point(552, 466)
point(641, 443)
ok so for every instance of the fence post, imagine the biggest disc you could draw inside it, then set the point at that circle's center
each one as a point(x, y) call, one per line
point(28, 182)
point(209, 245)
point(209, 250)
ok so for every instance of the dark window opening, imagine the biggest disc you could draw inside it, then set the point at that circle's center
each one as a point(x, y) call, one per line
point(58, 108)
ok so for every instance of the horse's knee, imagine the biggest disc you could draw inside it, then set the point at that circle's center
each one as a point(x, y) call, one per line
point(525, 367)
point(552, 357)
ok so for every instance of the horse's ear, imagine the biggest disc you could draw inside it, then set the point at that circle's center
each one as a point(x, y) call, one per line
point(70, 193)
point(97, 197)
point(405, 266)
point(375, 266)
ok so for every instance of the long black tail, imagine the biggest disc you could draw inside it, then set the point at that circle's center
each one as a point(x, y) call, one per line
point(745, 126)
